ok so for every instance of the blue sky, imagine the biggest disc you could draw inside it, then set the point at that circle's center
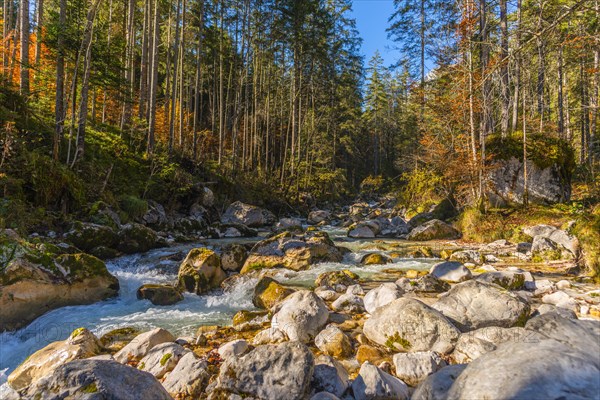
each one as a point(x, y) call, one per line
point(372, 21)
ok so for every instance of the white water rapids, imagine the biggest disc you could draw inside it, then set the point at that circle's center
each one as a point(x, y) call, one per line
point(181, 319)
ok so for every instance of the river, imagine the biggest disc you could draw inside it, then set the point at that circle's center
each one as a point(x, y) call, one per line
point(182, 319)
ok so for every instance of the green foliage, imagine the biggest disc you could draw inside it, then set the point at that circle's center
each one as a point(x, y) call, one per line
point(133, 206)
point(420, 190)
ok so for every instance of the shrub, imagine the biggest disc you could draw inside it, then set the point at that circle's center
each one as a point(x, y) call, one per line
point(133, 206)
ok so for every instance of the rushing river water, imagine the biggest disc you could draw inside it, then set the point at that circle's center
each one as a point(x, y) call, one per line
point(159, 266)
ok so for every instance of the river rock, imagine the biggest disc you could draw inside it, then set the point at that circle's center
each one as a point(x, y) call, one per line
point(382, 295)
point(410, 325)
point(233, 258)
point(412, 368)
point(561, 299)
point(326, 293)
point(188, 379)
point(156, 217)
point(200, 271)
point(433, 230)
point(467, 256)
point(524, 370)
point(161, 359)
point(301, 316)
point(318, 216)
point(249, 320)
point(288, 224)
point(136, 238)
point(293, 252)
point(555, 235)
point(361, 232)
point(87, 236)
point(472, 304)
point(375, 258)
point(330, 376)
point(349, 303)
point(374, 384)
point(246, 214)
point(472, 345)
point(269, 372)
point(333, 342)
point(332, 279)
point(29, 289)
point(437, 385)
point(451, 271)
point(269, 292)
point(159, 295)
point(97, 379)
point(541, 245)
point(80, 344)
point(425, 284)
point(507, 279)
point(319, 396)
point(233, 349)
point(142, 344)
point(118, 338)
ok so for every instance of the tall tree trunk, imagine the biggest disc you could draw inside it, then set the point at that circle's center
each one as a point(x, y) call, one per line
point(59, 109)
point(144, 60)
point(504, 69)
point(24, 56)
point(154, 80)
point(541, 78)
point(129, 67)
point(221, 97)
point(515, 116)
point(39, 25)
point(86, 46)
point(561, 118)
point(197, 80)
point(174, 83)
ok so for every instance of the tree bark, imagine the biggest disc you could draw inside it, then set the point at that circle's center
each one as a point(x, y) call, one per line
point(24, 55)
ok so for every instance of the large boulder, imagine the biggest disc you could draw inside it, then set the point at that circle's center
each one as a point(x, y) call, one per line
point(188, 379)
point(233, 257)
point(450, 271)
point(506, 183)
point(330, 376)
point(565, 364)
point(554, 235)
point(433, 230)
point(269, 372)
point(88, 236)
point(246, 214)
point(292, 252)
point(200, 271)
point(33, 284)
point(159, 295)
point(375, 384)
point(318, 216)
point(80, 344)
point(409, 325)
point(473, 304)
point(301, 316)
point(155, 217)
point(437, 385)
point(333, 342)
point(97, 379)
point(511, 280)
point(472, 345)
point(136, 238)
point(382, 295)
point(162, 358)
point(425, 284)
point(412, 368)
point(142, 344)
point(269, 292)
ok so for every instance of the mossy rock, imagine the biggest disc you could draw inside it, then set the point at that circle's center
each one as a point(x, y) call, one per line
point(200, 271)
point(269, 292)
point(375, 259)
point(333, 278)
point(116, 339)
point(159, 295)
point(82, 265)
point(136, 238)
point(86, 236)
point(248, 320)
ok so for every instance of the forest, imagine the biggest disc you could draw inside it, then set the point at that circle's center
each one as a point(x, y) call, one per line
point(264, 199)
point(275, 92)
